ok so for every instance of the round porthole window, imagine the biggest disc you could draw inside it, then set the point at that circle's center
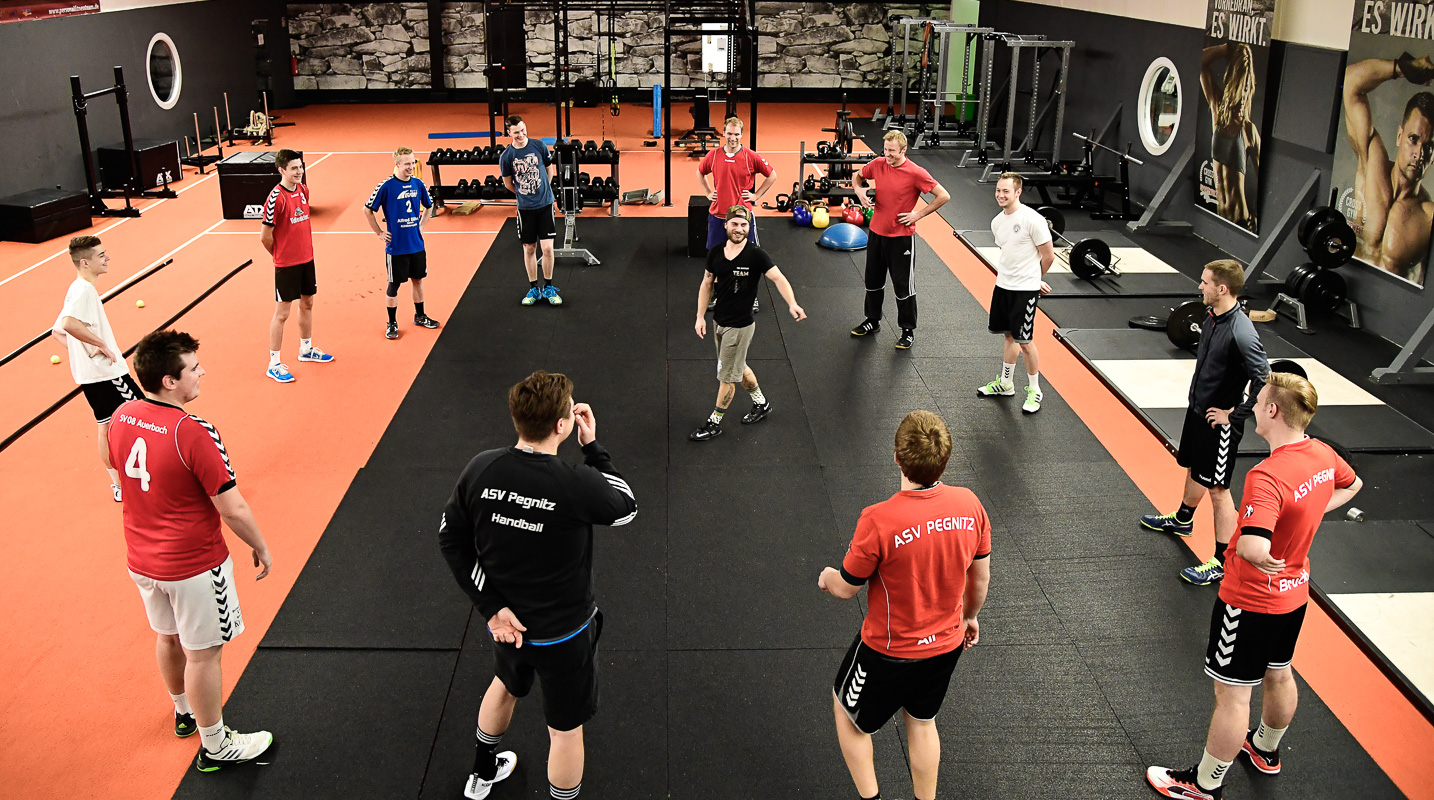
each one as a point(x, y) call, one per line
point(162, 67)
point(1159, 106)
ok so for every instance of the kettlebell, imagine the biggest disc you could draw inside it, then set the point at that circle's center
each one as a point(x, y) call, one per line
point(852, 214)
point(784, 203)
point(802, 213)
point(866, 212)
point(821, 217)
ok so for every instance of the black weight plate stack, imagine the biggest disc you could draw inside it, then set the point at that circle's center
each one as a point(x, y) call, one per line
point(1313, 217)
point(1331, 243)
point(1324, 291)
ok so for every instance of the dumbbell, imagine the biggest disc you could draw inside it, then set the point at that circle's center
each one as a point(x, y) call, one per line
point(461, 190)
point(492, 187)
point(1089, 258)
point(584, 180)
point(610, 185)
point(1326, 237)
point(609, 151)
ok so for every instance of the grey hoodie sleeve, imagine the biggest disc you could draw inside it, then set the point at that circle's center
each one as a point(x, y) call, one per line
point(1257, 365)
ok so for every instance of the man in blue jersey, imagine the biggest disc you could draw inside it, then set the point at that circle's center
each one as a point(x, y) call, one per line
point(406, 206)
point(524, 165)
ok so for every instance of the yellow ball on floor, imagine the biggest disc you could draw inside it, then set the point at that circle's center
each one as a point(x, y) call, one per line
point(54, 359)
point(139, 304)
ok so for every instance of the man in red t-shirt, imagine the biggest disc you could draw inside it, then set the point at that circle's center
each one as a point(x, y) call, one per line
point(733, 170)
point(1257, 619)
point(926, 553)
point(287, 236)
point(178, 484)
point(889, 247)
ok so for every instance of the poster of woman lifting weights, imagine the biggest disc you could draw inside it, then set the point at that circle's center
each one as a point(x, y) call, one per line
point(1232, 80)
point(1387, 118)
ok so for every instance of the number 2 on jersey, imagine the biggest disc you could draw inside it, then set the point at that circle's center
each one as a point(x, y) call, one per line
point(135, 466)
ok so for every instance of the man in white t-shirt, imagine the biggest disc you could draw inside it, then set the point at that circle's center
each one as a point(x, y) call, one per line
point(95, 359)
point(1024, 237)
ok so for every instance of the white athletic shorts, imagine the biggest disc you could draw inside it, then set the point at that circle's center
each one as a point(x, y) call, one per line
point(203, 610)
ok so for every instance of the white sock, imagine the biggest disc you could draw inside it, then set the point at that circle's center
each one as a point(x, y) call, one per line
point(273, 358)
point(306, 345)
point(1033, 379)
point(757, 397)
point(1211, 772)
point(1008, 372)
point(1267, 738)
point(114, 475)
point(181, 703)
point(212, 736)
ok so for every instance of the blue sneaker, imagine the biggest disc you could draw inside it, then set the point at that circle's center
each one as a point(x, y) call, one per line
point(532, 296)
point(550, 293)
point(1167, 523)
point(316, 355)
point(280, 373)
point(1211, 571)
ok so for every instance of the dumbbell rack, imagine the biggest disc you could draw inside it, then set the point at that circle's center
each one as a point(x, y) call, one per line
point(441, 196)
point(839, 170)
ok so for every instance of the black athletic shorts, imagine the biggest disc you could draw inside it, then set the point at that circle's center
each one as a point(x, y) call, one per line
point(1209, 453)
point(568, 670)
point(1243, 644)
point(1014, 313)
point(408, 266)
point(871, 686)
point(291, 283)
point(535, 224)
point(106, 396)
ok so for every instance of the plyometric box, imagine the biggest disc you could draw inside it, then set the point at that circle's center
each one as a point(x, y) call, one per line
point(43, 214)
point(158, 163)
point(245, 180)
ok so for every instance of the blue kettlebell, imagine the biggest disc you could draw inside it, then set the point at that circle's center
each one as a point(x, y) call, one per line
point(802, 214)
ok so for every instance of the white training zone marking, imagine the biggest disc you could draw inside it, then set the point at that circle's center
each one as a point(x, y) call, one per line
point(1128, 260)
point(1165, 382)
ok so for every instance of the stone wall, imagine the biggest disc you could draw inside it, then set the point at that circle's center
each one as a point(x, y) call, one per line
point(385, 46)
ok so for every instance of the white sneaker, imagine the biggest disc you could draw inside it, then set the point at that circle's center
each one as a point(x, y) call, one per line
point(236, 748)
point(1033, 400)
point(477, 788)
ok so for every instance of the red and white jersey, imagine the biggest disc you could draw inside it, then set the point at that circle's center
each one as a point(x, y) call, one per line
point(1286, 493)
point(915, 549)
point(288, 214)
point(731, 175)
point(171, 464)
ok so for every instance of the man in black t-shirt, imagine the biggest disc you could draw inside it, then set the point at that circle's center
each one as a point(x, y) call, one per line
point(733, 276)
point(518, 534)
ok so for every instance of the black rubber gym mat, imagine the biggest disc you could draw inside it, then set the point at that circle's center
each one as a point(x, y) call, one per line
point(783, 438)
point(1374, 556)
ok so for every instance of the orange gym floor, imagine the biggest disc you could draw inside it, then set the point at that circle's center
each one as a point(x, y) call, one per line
point(82, 711)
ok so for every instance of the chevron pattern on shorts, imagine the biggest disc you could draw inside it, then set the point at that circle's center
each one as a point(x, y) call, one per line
point(227, 625)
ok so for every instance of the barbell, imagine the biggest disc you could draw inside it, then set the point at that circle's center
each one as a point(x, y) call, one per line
point(1326, 236)
point(1090, 257)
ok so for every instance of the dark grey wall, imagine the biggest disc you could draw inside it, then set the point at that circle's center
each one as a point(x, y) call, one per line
point(1107, 66)
point(37, 58)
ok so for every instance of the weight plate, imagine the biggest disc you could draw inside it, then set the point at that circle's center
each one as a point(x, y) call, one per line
point(1324, 291)
point(1090, 258)
point(1054, 218)
point(1286, 365)
point(1312, 218)
point(1331, 243)
point(1149, 322)
point(1183, 326)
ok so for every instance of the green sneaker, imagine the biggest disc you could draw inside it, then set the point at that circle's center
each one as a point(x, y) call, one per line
point(1033, 400)
point(184, 725)
point(996, 389)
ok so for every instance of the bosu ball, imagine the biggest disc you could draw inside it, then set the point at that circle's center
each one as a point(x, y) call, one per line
point(843, 236)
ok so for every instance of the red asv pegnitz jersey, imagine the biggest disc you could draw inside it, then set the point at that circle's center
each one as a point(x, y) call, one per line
point(1286, 493)
point(171, 464)
point(288, 213)
point(916, 548)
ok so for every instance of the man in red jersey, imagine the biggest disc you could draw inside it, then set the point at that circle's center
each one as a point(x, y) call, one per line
point(178, 484)
point(926, 552)
point(733, 170)
point(287, 236)
point(1257, 619)
point(889, 247)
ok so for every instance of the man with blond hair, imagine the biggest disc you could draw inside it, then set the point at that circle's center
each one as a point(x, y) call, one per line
point(406, 206)
point(890, 245)
point(1256, 622)
point(728, 175)
point(925, 555)
point(96, 363)
point(1229, 359)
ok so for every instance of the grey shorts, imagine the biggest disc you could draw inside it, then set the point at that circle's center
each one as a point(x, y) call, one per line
point(732, 344)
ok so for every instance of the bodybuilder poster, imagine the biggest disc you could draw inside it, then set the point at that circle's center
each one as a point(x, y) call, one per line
point(1387, 118)
point(1232, 92)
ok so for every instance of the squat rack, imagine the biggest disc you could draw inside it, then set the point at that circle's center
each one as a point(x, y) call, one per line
point(1039, 47)
point(934, 92)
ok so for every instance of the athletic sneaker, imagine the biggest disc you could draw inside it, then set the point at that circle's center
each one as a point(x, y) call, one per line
point(1266, 761)
point(477, 788)
point(1180, 784)
point(1034, 397)
point(906, 340)
point(391, 332)
point(1211, 571)
point(425, 321)
point(236, 748)
point(184, 725)
point(532, 296)
point(996, 389)
point(315, 355)
point(709, 430)
point(550, 293)
point(758, 413)
point(280, 373)
point(866, 327)
point(1167, 523)
point(119, 496)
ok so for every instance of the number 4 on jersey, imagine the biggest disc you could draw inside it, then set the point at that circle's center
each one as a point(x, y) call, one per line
point(135, 466)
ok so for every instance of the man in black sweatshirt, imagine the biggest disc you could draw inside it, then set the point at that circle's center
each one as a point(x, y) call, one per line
point(1229, 359)
point(517, 533)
